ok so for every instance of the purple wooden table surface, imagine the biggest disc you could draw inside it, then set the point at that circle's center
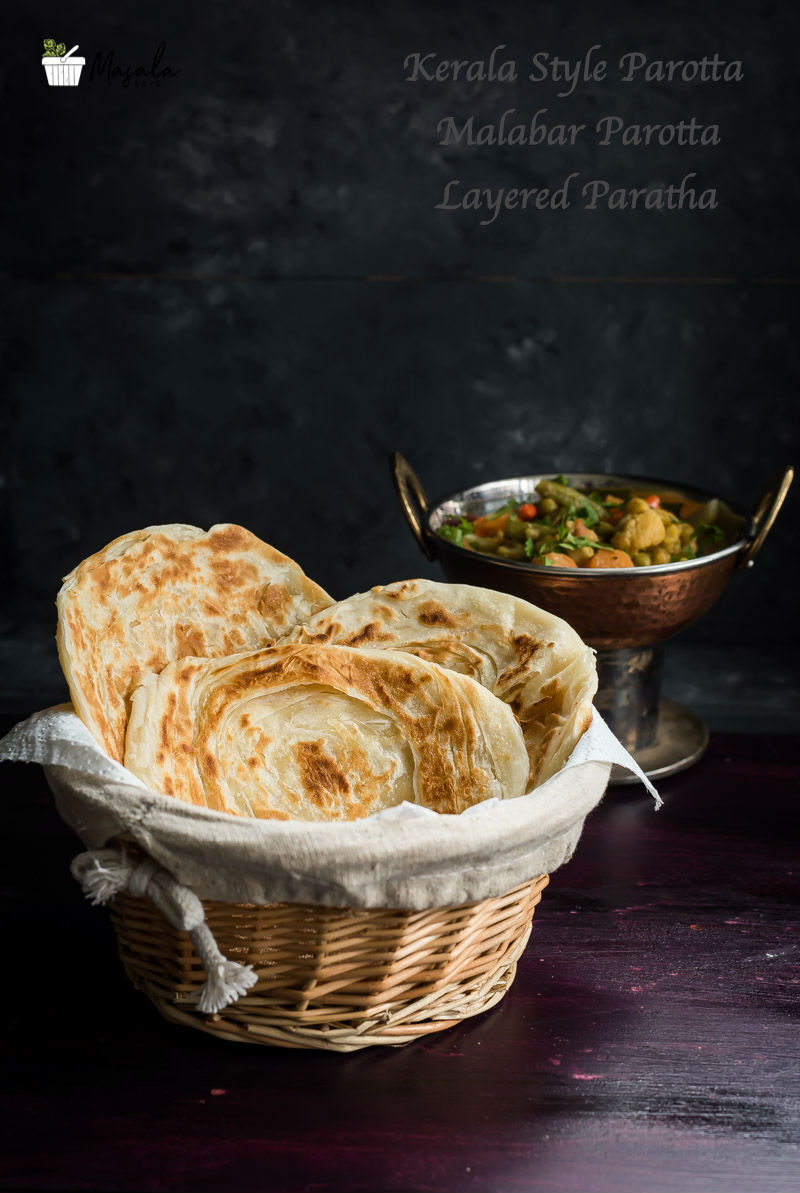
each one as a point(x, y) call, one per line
point(649, 1043)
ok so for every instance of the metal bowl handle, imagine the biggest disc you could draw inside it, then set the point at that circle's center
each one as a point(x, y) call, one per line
point(408, 486)
point(764, 517)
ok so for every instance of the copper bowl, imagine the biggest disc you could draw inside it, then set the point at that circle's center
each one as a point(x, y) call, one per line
point(611, 608)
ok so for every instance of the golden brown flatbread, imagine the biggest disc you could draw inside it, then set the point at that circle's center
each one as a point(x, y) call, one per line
point(322, 733)
point(164, 593)
point(530, 659)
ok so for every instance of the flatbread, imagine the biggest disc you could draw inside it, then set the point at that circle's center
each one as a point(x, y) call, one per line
point(530, 659)
point(162, 594)
point(322, 733)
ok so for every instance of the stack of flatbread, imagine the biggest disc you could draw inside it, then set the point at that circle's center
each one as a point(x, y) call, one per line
point(219, 674)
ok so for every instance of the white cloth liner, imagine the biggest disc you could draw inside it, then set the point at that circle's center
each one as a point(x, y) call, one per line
point(406, 857)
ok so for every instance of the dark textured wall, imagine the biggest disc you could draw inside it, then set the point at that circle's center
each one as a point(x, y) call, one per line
point(228, 296)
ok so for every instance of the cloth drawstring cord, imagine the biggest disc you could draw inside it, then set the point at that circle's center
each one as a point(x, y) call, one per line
point(104, 873)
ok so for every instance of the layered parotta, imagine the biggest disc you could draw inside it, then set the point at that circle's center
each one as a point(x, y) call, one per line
point(164, 593)
point(322, 733)
point(530, 659)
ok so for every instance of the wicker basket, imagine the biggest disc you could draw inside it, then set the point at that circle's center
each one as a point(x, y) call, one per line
point(334, 978)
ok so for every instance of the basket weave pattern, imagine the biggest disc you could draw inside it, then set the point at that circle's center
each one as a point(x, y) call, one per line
point(334, 978)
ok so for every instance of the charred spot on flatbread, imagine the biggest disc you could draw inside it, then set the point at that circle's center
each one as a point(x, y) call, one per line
point(431, 613)
point(319, 773)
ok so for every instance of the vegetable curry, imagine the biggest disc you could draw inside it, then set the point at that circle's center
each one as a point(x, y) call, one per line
point(562, 526)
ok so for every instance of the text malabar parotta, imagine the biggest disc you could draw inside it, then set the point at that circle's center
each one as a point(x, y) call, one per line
point(162, 594)
point(528, 658)
point(322, 733)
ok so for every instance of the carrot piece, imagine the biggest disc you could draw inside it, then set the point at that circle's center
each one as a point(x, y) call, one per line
point(485, 526)
point(653, 500)
point(672, 498)
point(689, 507)
point(584, 531)
point(557, 560)
point(606, 558)
point(526, 512)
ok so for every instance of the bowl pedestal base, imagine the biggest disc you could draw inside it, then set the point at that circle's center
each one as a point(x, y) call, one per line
point(664, 737)
point(681, 741)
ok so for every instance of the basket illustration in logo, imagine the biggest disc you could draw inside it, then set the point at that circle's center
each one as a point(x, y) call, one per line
point(61, 68)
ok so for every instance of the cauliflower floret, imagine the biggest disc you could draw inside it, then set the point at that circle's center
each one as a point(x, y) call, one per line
point(639, 531)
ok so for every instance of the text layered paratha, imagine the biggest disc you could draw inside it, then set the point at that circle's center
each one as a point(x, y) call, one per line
point(165, 593)
point(528, 658)
point(322, 733)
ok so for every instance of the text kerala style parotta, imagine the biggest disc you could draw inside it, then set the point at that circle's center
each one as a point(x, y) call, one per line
point(527, 657)
point(322, 733)
point(162, 594)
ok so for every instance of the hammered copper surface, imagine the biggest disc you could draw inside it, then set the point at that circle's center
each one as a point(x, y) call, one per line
point(611, 611)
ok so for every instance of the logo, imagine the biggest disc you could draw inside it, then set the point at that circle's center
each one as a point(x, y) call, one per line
point(152, 75)
point(61, 68)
